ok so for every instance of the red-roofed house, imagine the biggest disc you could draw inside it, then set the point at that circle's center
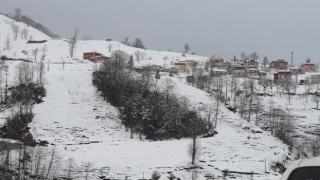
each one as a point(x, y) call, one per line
point(94, 56)
point(282, 76)
point(309, 67)
point(279, 64)
point(251, 64)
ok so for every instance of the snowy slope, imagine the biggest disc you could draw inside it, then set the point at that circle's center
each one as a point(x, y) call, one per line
point(84, 127)
point(58, 50)
point(20, 42)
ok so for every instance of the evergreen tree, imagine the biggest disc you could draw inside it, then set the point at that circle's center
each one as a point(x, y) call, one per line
point(130, 62)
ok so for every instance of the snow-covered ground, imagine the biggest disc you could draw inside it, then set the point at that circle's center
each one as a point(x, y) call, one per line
point(84, 127)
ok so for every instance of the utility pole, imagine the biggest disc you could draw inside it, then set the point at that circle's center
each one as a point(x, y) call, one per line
point(292, 58)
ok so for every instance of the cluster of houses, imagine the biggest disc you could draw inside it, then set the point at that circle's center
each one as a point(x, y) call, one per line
point(279, 69)
point(284, 72)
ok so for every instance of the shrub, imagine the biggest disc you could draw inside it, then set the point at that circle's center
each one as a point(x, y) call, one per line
point(155, 175)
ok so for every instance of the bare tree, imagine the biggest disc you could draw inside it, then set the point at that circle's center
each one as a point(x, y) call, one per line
point(52, 159)
point(39, 158)
point(251, 93)
point(41, 65)
point(271, 115)
point(126, 41)
point(87, 170)
point(258, 109)
point(265, 62)
point(234, 89)
point(25, 73)
point(287, 86)
point(244, 56)
point(63, 64)
point(15, 32)
point(254, 56)
point(72, 41)
point(139, 55)
point(24, 34)
point(316, 99)
point(48, 65)
point(186, 48)
point(8, 43)
point(35, 53)
point(18, 12)
point(110, 47)
point(210, 64)
point(86, 38)
point(196, 128)
point(70, 168)
point(218, 96)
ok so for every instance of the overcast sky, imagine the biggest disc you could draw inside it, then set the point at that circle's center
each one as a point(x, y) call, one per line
point(272, 28)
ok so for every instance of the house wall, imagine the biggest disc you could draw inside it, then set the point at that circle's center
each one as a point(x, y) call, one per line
point(279, 64)
point(282, 76)
point(309, 68)
point(239, 73)
point(182, 67)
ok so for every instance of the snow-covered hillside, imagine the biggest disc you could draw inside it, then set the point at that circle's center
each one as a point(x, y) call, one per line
point(58, 50)
point(84, 127)
point(15, 35)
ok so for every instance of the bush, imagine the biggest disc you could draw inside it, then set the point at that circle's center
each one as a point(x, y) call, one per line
point(16, 123)
point(157, 115)
point(155, 175)
point(24, 93)
point(3, 58)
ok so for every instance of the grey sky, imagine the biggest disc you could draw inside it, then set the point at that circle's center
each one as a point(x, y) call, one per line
point(224, 27)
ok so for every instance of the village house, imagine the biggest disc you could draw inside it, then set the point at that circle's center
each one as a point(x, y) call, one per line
point(282, 76)
point(190, 63)
point(227, 66)
point(184, 65)
point(251, 63)
point(315, 78)
point(239, 71)
point(155, 67)
point(218, 62)
point(309, 67)
point(94, 57)
point(263, 74)
point(253, 72)
point(218, 72)
point(296, 71)
point(171, 70)
point(279, 64)
point(181, 66)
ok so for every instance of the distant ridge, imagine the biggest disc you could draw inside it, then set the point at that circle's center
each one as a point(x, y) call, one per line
point(29, 21)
